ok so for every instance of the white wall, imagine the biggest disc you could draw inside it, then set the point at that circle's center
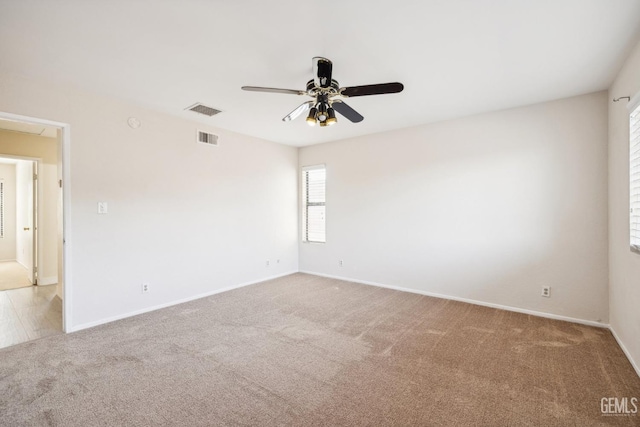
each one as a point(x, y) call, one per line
point(187, 218)
point(624, 277)
point(489, 208)
point(8, 242)
point(45, 149)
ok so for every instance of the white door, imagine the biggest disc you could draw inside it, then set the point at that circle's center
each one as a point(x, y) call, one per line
point(33, 230)
point(27, 219)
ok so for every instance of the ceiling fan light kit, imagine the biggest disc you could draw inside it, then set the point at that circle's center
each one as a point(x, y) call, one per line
point(311, 118)
point(331, 116)
point(328, 96)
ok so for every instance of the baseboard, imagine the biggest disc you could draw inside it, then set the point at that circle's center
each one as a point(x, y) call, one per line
point(45, 281)
point(75, 328)
point(8, 260)
point(467, 300)
point(625, 351)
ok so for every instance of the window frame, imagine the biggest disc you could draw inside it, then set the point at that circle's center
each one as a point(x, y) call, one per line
point(306, 205)
point(2, 216)
point(633, 108)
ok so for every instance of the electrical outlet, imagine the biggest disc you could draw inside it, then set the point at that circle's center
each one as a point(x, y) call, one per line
point(146, 287)
point(340, 263)
point(546, 291)
point(268, 263)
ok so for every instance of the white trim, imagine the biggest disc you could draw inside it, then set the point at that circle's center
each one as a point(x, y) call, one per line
point(32, 120)
point(172, 303)
point(46, 281)
point(64, 143)
point(38, 253)
point(313, 167)
point(633, 102)
point(632, 106)
point(625, 351)
point(66, 275)
point(468, 300)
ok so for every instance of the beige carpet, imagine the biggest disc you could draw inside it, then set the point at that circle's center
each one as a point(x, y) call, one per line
point(307, 351)
point(13, 276)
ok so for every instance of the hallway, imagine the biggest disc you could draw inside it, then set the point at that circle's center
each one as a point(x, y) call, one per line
point(13, 275)
point(29, 313)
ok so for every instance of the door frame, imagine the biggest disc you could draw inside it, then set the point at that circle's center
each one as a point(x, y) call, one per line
point(64, 144)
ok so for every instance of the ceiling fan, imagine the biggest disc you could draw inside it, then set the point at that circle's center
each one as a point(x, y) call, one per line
point(328, 95)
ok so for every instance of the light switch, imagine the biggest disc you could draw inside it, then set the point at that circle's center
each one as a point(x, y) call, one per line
point(102, 207)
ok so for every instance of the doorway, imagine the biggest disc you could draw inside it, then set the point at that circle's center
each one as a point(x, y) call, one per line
point(32, 150)
point(18, 222)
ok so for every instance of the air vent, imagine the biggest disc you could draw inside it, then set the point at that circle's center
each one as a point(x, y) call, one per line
point(203, 109)
point(207, 138)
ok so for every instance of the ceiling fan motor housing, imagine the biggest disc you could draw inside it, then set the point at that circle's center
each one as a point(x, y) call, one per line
point(332, 89)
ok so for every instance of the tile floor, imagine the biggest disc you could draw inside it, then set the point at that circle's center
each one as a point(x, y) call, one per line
point(13, 275)
point(29, 313)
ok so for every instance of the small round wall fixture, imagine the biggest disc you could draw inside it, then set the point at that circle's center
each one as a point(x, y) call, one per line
point(134, 123)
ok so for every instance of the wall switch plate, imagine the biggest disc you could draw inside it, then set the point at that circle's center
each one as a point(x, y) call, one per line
point(546, 291)
point(103, 208)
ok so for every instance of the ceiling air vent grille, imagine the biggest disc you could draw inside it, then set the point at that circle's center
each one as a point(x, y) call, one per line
point(203, 109)
point(207, 138)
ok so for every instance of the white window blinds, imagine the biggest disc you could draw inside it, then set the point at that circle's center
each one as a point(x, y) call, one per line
point(634, 176)
point(1, 209)
point(313, 210)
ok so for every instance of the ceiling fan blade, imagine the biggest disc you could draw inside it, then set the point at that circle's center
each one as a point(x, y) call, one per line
point(378, 89)
point(322, 69)
point(273, 90)
point(303, 108)
point(347, 111)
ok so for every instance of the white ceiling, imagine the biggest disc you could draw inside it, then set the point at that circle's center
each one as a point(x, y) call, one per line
point(455, 57)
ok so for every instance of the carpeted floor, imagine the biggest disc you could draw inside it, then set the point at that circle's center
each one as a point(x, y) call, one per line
point(13, 276)
point(304, 350)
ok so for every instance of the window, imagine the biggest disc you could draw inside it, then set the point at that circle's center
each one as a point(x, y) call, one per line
point(1, 209)
point(634, 174)
point(313, 209)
